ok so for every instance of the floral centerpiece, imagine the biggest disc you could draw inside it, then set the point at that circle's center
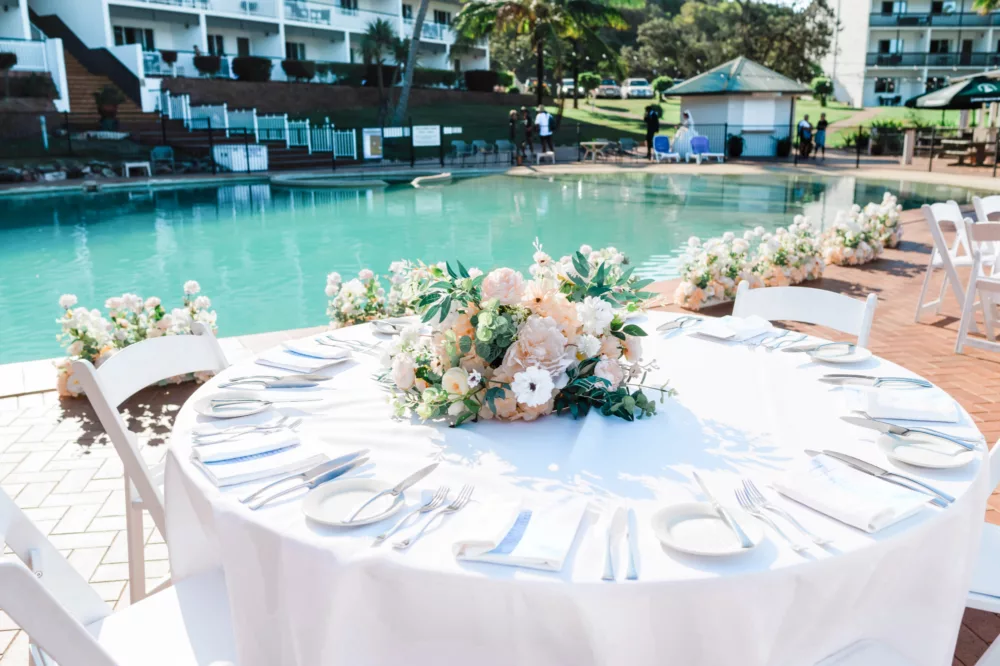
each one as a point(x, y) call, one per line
point(789, 256)
point(884, 217)
point(711, 271)
point(503, 347)
point(89, 334)
point(859, 235)
point(355, 301)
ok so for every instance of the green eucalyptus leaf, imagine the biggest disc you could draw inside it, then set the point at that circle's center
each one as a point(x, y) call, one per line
point(635, 331)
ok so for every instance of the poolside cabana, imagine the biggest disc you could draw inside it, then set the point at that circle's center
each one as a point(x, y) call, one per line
point(742, 98)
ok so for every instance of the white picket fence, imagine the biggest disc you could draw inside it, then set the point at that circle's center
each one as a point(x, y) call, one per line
point(214, 116)
point(176, 107)
point(299, 134)
point(245, 120)
point(274, 128)
point(342, 143)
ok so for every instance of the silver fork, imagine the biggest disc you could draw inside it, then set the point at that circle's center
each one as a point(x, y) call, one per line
point(341, 344)
point(760, 500)
point(463, 498)
point(771, 345)
point(756, 512)
point(437, 500)
point(757, 341)
point(242, 429)
point(204, 440)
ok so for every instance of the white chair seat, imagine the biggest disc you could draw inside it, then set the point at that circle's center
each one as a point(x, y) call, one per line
point(186, 625)
point(984, 591)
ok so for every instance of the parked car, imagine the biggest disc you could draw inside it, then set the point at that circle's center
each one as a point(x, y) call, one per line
point(637, 88)
point(609, 88)
point(567, 89)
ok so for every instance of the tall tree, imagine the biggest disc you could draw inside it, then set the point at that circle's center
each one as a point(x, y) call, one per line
point(541, 21)
point(411, 62)
point(377, 44)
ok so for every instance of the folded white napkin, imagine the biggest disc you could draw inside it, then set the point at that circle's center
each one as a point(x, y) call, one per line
point(289, 360)
point(513, 534)
point(260, 465)
point(912, 405)
point(246, 445)
point(735, 329)
point(309, 347)
point(852, 497)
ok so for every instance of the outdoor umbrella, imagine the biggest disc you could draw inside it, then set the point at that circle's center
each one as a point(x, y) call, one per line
point(969, 94)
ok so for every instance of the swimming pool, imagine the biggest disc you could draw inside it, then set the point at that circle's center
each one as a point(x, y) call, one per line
point(262, 253)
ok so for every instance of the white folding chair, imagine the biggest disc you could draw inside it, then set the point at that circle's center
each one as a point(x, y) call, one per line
point(986, 206)
point(810, 306)
point(107, 387)
point(986, 287)
point(68, 623)
point(943, 217)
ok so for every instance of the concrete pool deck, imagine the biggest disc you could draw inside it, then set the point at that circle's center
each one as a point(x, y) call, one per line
point(56, 462)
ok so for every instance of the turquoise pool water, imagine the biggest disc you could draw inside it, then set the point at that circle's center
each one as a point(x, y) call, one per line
point(262, 253)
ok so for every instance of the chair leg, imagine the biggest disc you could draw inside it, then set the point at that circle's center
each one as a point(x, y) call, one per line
point(135, 536)
point(940, 301)
point(987, 302)
point(923, 294)
point(968, 313)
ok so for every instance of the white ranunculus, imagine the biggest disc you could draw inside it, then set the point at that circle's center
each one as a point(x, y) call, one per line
point(728, 237)
point(152, 302)
point(202, 302)
point(332, 288)
point(366, 274)
point(113, 303)
point(66, 301)
point(403, 368)
point(474, 273)
point(191, 287)
point(587, 345)
point(455, 381)
point(693, 242)
point(532, 387)
point(585, 250)
point(595, 314)
point(334, 278)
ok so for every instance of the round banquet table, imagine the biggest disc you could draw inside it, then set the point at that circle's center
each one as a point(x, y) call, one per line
point(303, 594)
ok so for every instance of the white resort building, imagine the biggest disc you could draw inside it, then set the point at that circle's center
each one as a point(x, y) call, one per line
point(138, 32)
point(888, 51)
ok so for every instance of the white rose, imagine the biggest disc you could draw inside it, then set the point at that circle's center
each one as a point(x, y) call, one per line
point(366, 274)
point(474, 273)
point(455, 381)
point(152, 302)
point(75, 348)
point(587, 345)
point(113, 303)
point(728, 237)
point(66, 301)
point(202, 302)
point(611, 371)
point(191, 287)
point(504, 284)
point(332, 288)
point(585, 250)
point(403, 369)
point(693, 242)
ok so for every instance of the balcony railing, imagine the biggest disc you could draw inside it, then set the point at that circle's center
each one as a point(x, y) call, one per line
point(30, 54)
point(265, 8)
point(935, 20)
point(430, 30)
point(979, 59)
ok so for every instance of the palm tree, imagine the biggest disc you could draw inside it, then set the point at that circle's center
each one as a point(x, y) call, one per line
point(541, 20)
point(411, 62)
point(377, 44)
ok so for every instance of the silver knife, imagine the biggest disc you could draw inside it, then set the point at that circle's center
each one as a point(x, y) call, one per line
point(942, 498)
point(817, 347)
point(309, 377)
point(868, 380)
point(900, 431)
point(312, 481)
point(633, 546)
point(322, 467)
point(397, 489)
point(745, 541)
point(282, 382)
point(616, 530)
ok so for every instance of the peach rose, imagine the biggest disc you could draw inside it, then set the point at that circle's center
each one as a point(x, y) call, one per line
point(463, 323)
point(455, 381)
point(633, 348)
point(611, 347)
point(525, 413)
point(539, 343)
point(550, 303)
point(506, 406)
point(504, 284)
point(610, 370)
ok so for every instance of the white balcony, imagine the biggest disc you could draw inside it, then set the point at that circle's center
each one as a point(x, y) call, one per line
point(249, 8)
point(31, 55)
point(332, 16)
point(430, 32)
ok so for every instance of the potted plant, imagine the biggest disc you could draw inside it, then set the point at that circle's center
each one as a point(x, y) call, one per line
point(734, 145)
point(208, 65)
point(7, 62)
point(108, 99)
point(299, 70)
point(783, 148)
point(252, 68)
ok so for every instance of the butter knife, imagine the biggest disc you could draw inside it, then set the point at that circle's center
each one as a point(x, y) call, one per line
point(811, 348)
point(900, 431)
point(397, 489)
point(633, 546)
point(745, 541)
point(868, 380)
point(312, 482)
point(616, 530)
point(941, 498)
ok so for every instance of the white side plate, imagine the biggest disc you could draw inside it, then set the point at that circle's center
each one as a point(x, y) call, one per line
point(926, 451)
point(204, 405)
point(333, 503)
point(837, 355)
point(695, 528)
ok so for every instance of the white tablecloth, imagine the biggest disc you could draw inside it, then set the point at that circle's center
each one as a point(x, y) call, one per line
point(306, 595)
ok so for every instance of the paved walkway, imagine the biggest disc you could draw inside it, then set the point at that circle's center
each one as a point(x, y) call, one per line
point(56, 462)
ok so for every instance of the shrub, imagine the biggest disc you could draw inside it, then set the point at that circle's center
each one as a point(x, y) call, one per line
point(109, 96)
point(654, 107)
point(323, 68)
point(513, 90)
point(662, 84)
point(427, 78)
point(783, 148)
point(34, 85)
point(208, 65)
point(822, 88)
point(348, 74)
point(505, 79)
point(169, 57)
point(480, 80)
point(252, 68)
point(7, 61)
point(588, 81)
point(300, 70)
point(735, 145)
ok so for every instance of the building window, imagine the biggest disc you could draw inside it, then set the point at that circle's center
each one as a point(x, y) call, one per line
point(458, 65)
point(938, 46)
point(935, 82)
point(216, 45)
point(890, 46)
point(442, 18)
point(407, 12)
point(885, 85)
point(350, 5)
point(143, 36)
point(295, 50)
point(243, 46)
point(889, 7)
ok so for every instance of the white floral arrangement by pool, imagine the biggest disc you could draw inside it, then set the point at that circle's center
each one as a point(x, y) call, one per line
point(503, 347)
point(355, 301)
point(860, 235)
point(89, 334)
point(711, 271)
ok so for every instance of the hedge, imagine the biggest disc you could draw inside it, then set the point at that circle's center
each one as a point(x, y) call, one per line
point(252, 68)
point(300, 70)
point(33, 85)
point(481, 80)
point(208, 64)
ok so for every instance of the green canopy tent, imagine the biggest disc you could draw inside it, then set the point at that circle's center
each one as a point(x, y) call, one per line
point(970, 94)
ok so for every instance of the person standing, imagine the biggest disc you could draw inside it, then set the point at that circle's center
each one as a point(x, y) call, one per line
point(543, 121)
point(805, 136)
point(652, 120)
point(512, 121)
point(821, 135)
point(529, 131)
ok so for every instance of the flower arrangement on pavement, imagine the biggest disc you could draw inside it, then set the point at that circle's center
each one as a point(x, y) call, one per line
point(89, 334)
point(355, 301)
point(505, 347)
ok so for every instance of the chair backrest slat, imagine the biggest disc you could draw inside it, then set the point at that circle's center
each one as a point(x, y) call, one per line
point(699, 144)
point(661, 144)
point(987, 206)
point(810, 306)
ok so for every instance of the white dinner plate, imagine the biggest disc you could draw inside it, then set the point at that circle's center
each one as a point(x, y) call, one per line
point(926, 451)
point(695, 528)
point(837, 355)
point(204, 405)
point(333, 503)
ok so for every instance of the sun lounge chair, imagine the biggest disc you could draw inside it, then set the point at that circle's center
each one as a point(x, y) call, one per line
point(481, 147)
point(626, 147)
point(661, 149)
point(461, 149)
point(700, 151)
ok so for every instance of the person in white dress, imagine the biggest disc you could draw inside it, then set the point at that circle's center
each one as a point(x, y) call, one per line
point(682, 139)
